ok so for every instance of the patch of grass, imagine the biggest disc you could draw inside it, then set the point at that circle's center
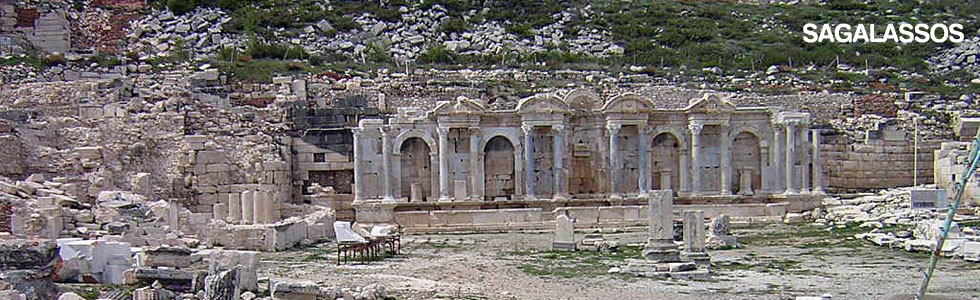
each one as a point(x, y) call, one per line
point(571, 264)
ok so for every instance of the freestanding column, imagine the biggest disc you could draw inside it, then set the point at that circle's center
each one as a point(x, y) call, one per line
point(475, 167)
point(817, 169)
point(234, 208)
point(558, 168)
point(660, 240)
point(358, 167)
point(790, 145)
point(528, 161)
point(614, 159)
point(644, 180)
point(695, 157)
point(386, 164)
point(248, 206)
point(726, 158)
point(444, 164)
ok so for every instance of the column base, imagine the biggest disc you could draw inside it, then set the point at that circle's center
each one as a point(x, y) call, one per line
point(445, 199)
point(702, 259)
point(530, 198)
point(661, 251)
point(559, 198)
point(616, 197)
point(388, 200)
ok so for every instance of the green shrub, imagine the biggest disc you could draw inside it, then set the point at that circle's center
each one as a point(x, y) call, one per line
point(181, 7)
point(455, 24)
point(438, 55)
point(54, 59)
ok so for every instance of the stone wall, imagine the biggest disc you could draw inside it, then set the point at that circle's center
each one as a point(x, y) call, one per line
point(877, 163)
point(951, 162)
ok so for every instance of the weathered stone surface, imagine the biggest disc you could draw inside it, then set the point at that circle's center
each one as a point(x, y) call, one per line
point(28, 266)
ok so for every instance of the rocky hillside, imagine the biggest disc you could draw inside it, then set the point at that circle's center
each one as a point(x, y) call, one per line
point(741, 45)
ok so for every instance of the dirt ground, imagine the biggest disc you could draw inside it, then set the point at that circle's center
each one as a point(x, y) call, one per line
point(777, 261)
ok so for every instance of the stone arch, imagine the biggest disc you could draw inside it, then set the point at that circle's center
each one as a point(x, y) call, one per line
point(500, 173)
point(677, 133)
point(416, 169)
point(414, 133)
point(665, 161)
point(746, 160)
point(507, 133)
point(745, 129)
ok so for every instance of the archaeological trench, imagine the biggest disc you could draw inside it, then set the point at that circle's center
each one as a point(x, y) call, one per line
point(155, 179)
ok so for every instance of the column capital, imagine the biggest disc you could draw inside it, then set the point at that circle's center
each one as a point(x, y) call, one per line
point(385, 130)
point(695, 128)
point(527, 128)
point(614, 127)
point(558, 127)
point(442, 130)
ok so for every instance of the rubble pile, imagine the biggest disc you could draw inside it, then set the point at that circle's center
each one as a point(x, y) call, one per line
point(418, 29)
point(964, 56)
point(895, 224)
point(27, 269)
point(195, 34)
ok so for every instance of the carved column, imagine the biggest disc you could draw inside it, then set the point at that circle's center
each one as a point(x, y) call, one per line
point(443, 164)
point(475, 166)
point(559, 164)
point(683, 176)
point(644, 180)
point(528, 131)
point(817, 168)
point(790, 151)
point(614, 163)
point(358, 166)
point(695, 130)
point(778, 160)
point(764, 161)
point(386, 164)
point(726, 157)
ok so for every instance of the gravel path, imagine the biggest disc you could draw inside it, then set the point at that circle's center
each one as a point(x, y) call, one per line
point(776, 263)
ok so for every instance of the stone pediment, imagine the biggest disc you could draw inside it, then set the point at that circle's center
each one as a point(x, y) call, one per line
point(542, 104)
point(627, 103)
point(710, 104)
point(461, 106)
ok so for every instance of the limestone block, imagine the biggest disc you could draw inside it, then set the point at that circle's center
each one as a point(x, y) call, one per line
point(247, 261)
point(234, 215)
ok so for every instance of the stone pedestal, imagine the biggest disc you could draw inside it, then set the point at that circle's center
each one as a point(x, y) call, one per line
point(665, 180)
point(564, 233)
point(694, 249)
point(745, 182)
point(459, 190)
point(416, 193)
point(660, 241)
